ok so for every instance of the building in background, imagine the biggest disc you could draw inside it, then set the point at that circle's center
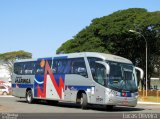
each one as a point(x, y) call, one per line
point(155, 83)
point(4, 74)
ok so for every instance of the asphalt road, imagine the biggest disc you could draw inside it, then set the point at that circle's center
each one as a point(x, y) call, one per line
point(16, 105)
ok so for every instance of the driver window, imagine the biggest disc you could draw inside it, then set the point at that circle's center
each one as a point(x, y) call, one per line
point(98, 73)
point(98, 70)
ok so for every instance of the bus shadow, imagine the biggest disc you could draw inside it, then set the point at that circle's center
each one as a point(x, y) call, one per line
point(60, 104)
point(101, 108)
point(118, 109)
point(90, 107)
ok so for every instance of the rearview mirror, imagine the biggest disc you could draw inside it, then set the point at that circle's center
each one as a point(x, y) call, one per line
point(141, 72)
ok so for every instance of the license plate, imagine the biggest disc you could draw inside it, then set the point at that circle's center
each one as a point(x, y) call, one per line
point(126, 94)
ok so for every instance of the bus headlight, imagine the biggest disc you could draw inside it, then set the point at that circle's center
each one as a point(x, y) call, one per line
point(136, 95)
point(112, 95)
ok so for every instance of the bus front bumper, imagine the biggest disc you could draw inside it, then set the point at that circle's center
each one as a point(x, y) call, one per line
point(122, 101)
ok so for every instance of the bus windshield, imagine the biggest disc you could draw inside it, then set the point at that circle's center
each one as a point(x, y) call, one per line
point(122, 77)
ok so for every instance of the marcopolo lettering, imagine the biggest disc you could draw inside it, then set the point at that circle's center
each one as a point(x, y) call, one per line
point(22, 80)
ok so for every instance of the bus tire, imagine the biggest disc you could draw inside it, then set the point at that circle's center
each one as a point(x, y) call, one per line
point(4, 93)
point(84, 102)
point(29, 96)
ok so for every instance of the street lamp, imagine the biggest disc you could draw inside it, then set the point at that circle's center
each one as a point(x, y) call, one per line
point(133, 31)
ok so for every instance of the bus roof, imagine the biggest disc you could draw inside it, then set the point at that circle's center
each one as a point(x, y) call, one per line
point(109, 57)
point(103, 56)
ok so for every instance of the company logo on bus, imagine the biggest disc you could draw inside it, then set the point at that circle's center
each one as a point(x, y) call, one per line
point(41, 81)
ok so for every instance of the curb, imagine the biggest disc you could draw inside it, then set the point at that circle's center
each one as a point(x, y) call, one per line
point(152, 103)
point(6, 96)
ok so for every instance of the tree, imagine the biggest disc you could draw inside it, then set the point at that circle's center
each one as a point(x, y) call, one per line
point(111, 34)
point(9, 58)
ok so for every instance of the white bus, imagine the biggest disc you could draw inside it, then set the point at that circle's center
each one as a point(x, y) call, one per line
point(84, 78)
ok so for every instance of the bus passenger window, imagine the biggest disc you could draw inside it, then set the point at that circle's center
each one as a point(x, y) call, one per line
point(54, 66)
point(79, 67)
point(39, 69)
point(18, 68)
point(28, 68)
point(67, 68)
point(61, 66)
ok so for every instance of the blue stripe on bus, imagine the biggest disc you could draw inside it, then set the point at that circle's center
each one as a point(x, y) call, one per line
point(61, 57)
point(22, 85)
point(50, 58)
point(47, 58)
point(71, 87)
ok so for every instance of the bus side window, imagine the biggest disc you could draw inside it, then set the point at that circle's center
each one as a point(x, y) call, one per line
point(79, 67)
point(50, 63)
point(18, 68)
point(61, 66)
point(92, 63)
point(54, 66)
point(68, 66)
point(29, 68)
point(39, 69)
point(97, 70)
point(100, 74)
point(37, 66)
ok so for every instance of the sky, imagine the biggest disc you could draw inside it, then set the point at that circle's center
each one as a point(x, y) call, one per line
point(41, 26)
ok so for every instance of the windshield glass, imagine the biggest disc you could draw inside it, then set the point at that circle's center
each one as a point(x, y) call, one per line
point(121, 77)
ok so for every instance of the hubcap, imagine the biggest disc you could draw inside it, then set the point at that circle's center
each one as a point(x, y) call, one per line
point(29, 97)
point(81, 100)
point(4, 93)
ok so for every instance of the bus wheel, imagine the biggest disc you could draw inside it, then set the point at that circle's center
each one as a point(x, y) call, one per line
point(83, 101)
point(109, 107)
point(29, 96)
point(4, 93)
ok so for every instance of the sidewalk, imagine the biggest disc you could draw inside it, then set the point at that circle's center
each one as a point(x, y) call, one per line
point(6, 96)
point(152, 103)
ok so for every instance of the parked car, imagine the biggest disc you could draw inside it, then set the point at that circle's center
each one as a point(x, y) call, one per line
point(4, 90)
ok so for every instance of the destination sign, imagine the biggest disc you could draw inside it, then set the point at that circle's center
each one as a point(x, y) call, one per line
point(22, 80)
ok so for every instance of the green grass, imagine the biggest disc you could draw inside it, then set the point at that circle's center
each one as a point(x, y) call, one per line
point(149, 99)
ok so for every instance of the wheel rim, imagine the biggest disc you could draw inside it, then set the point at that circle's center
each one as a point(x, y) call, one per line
point(29, 97)
point(4, 93)
point(81, 100)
